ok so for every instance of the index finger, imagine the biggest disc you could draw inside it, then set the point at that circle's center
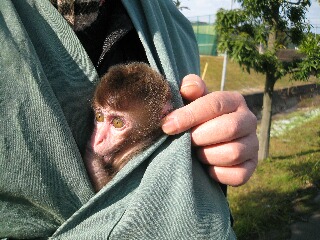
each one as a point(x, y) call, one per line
point(202, 110)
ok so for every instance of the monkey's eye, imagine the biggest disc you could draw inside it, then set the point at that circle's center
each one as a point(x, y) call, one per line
point(99, 117)
point(117, 122)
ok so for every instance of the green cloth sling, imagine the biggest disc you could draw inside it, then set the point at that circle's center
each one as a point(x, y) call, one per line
point(46, 85)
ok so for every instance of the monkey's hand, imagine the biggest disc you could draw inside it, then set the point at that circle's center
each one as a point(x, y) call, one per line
point(95, 168)
point(223, 130)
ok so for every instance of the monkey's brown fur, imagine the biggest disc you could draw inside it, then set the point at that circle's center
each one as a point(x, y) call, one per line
point(139, 90)
point(136, 88)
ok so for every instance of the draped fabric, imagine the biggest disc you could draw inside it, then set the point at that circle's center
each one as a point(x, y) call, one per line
point(46, 80)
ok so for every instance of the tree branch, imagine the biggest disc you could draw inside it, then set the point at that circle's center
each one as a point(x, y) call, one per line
point(295, 3)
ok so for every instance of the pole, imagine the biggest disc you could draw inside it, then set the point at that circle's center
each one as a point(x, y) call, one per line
point(204, 71)
point(224, 70)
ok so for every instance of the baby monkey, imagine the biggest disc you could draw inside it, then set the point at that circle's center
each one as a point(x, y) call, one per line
point(129, 104)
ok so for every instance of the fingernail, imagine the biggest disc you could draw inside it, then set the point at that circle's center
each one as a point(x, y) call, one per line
point(169, 125)
point(190, 84)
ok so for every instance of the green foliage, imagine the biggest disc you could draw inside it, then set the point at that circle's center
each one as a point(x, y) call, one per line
point(254, 36)
point(310, 64)
point(283, 188)
point(268, 23)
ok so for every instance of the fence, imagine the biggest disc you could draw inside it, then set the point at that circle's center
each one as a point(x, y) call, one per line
point(204, 29)
point(315, 28)
point(207, 38)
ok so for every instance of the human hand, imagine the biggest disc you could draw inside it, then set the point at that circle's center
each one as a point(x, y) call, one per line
point(223, 130)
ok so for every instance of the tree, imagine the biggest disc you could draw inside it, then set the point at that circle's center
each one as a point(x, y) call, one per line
point(255, 35)
point(179, 6)
point(310, 64)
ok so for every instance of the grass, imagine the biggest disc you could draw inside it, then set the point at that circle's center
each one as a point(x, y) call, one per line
point(236, 78)
point(283, 187)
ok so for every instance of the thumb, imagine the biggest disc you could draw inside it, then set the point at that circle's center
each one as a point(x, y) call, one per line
point(192, 87)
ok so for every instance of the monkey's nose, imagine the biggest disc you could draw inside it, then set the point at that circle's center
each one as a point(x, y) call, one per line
point(99, 139)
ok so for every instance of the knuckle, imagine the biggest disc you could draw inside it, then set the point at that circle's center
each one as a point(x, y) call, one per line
point(215, 104)
point(252, 119)
point(235, 152)
point(253, 143)
point(234, 129)
point(241, 98)
point(256, 143)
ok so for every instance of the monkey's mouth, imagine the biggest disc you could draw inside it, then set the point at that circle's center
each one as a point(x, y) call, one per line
point(107, 159)
point(109, 155)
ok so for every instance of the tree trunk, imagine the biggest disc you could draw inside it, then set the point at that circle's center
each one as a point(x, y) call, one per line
point(264, 137)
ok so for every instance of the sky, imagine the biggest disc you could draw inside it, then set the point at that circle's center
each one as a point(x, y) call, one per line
point(210, 7)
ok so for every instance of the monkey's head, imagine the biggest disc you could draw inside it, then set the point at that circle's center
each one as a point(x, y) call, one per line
point(129, 104)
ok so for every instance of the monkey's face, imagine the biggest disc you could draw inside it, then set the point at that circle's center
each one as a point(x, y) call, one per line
point(110, 131)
